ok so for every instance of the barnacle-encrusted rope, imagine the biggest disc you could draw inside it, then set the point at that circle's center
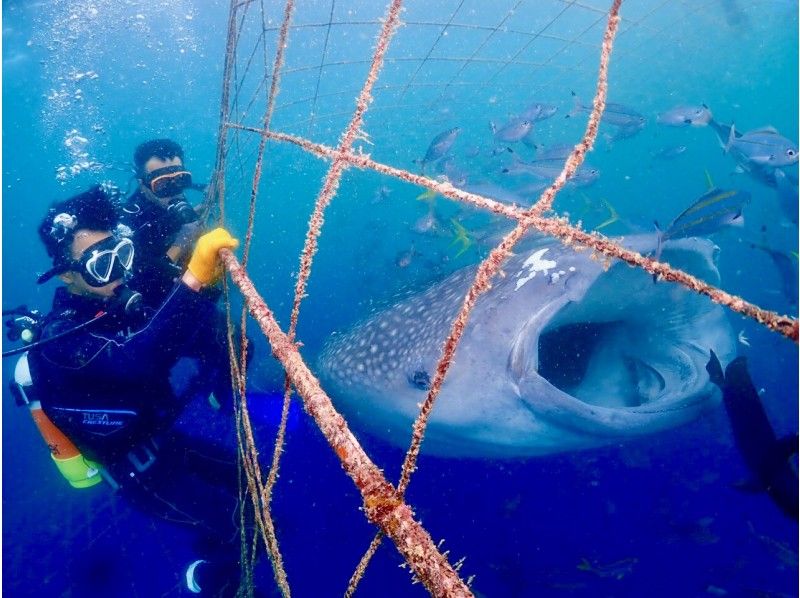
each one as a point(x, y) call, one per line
point(266, 490)
point(560, 228)
point(248, 452)
point(382, 504)
point(492, 264)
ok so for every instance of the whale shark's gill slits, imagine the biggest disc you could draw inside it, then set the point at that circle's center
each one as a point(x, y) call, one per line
point(647, 381)
point(565, 351)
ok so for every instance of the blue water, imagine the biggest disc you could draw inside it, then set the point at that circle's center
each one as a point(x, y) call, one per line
point(85, 81)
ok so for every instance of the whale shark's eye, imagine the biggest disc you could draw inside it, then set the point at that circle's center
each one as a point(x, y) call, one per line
point(420, 380)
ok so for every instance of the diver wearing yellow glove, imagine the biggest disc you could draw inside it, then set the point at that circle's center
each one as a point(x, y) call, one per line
point(114, 377)
point(204, 267)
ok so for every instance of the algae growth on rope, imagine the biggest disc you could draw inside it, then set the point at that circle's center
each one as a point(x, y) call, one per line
point(471, 192)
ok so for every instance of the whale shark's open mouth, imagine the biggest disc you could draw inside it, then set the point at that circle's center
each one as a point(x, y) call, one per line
point(628, 343)
point(570, 356)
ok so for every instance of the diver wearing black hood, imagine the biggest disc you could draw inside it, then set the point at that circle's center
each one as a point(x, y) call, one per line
point(107, 386)
point(163, 223)
point(115, 386)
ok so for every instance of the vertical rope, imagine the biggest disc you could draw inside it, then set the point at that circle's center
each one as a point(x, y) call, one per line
point(266, 491)
point(382, 505)
point(331, 183)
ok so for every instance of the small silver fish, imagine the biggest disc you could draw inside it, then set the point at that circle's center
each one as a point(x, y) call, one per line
point(558, 151)
point(404, 258)
point(538, 111)
point(684, 116)
point(624, 133)
point(764, 146)
point(496, 192)
point(550, 169)
point(618, 115)
point(440, 145)
point(713, 211)
point(513, 130)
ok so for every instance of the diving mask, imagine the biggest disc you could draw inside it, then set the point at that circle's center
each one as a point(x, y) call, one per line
point(105, 261)
point(168, 181)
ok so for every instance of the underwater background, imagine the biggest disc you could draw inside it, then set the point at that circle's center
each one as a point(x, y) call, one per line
point(85, 81)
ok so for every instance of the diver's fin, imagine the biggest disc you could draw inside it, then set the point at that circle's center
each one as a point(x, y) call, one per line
point(714, 370)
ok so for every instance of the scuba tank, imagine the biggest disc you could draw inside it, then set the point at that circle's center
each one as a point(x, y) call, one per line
point(79, 472)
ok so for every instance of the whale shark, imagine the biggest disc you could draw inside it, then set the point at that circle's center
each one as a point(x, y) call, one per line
point(564, 352)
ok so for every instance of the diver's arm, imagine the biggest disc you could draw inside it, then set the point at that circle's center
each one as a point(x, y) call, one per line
point(184, 240)
point(167, 333)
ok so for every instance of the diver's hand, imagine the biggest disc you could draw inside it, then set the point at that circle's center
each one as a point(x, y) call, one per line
point(204, 265)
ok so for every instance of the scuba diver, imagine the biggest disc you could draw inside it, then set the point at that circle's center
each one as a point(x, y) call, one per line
point(164, 225)
point(767, 457)
point(106, 377)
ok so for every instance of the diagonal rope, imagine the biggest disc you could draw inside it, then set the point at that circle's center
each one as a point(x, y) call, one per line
point(380, 502)
point(382, 505)
point(567, 233)
point(487, 270)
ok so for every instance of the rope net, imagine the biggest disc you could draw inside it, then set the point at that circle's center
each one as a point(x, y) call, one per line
point(478, 71)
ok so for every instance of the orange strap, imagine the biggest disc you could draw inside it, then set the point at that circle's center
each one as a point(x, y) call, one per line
point(60, 446)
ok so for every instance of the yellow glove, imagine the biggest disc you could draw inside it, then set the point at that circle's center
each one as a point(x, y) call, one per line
point(203, 264)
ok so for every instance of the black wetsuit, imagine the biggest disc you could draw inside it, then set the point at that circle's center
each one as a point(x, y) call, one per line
point(107, 387)
point(156, 229)
point(113, 391)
